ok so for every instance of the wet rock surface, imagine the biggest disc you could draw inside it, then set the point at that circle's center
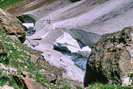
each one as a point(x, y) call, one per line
point(75, 50)
point(28, 22)
point(111, 59)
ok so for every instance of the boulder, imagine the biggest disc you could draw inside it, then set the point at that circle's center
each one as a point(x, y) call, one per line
point(84, 38)
point(111, 60)
point(68, 44)
point(28, 21)
point(75, 50)
point(11, 25)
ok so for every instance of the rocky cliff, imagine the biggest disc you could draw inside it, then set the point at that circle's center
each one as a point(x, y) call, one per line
point(74, 25)
point(111, 59)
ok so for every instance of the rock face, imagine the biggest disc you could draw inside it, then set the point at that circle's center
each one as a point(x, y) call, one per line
point(84, 38)
point(67, 43)
point(111, 60)
point(77, 52)
point(11, 25)
point(28, 21)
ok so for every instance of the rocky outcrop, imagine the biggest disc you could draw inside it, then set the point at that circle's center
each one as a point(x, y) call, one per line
point(76, 51)
point(11, 25)
point(28, 22)
point(111, 60)
point(67, 43)
point(84, 38)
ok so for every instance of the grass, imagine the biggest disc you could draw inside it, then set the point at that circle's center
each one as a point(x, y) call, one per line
point(15, 51)
point(8, 3)
point(106, 86)
point(20, 58)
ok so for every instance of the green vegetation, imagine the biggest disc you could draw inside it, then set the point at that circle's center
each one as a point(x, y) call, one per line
point(130, 75)
point(106, 86)
point(8, 3)
point(19, 57)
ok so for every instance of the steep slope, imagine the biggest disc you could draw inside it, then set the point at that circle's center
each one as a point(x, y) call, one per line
point(20, 66)
point(111, 59)
point(85, 20)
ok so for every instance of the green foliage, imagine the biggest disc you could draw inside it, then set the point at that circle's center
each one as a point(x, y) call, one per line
point(106, 86)
point(4, 59)
point(7, 3)
point(6, 79)
point(130, 75)
point(20, 58)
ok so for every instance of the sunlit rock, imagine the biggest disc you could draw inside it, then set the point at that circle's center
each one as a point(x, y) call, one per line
point(111, 59)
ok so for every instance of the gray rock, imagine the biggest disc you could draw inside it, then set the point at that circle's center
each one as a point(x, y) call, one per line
point(111, 59)
point(84, 38)
point(71, 47)
point(67, 43)
point(28, 21)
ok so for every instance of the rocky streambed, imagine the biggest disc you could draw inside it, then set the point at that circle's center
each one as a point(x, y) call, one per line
point(66, 31)
point(66, 52)
point(110, 60)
